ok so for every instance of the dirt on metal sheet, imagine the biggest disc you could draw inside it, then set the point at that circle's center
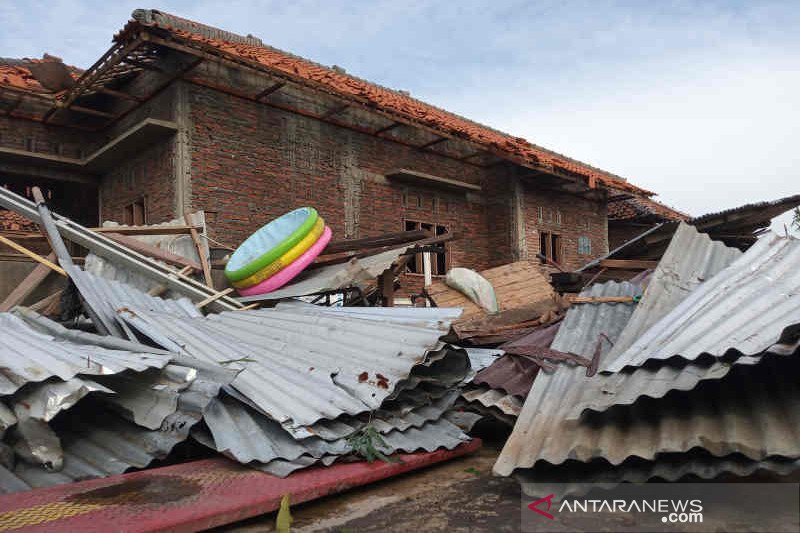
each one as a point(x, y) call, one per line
point(154, 489)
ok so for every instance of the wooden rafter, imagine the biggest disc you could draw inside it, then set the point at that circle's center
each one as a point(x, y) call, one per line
point(390, 127)
point(271, 89)
point(434, 142)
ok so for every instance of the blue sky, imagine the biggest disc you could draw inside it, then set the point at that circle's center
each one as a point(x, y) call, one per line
point(699, 101)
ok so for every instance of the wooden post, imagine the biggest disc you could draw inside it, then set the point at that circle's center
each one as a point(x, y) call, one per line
point(27, 286)
point(387, 288)
point(199, 246)
point(33, 255)
point(426, 268)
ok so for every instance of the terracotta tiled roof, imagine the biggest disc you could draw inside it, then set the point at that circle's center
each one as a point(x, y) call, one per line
point(401, 105)
point(16, 73)
point(10, 220)
point(640, 207)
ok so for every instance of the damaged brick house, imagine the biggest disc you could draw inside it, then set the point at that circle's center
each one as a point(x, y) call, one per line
point(177, 115)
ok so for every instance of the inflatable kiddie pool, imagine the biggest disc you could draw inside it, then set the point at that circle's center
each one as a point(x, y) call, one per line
point(287, 274)
point(286, 259)
point(270, 242)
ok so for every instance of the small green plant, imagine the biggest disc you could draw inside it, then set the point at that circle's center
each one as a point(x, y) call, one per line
point(366, 443)
point(472, 470)
point(796, 220)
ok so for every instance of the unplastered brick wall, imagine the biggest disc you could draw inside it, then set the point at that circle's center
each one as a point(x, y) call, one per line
point(148, 176)
point(251, 163)
point(570, 217)
point(31, 136)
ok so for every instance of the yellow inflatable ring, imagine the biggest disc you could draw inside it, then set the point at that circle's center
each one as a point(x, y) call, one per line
point(285, 260)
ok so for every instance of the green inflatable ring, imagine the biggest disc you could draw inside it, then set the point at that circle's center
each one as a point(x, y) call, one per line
point(270, 242)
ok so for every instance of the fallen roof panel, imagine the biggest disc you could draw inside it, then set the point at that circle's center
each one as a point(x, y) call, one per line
point(691, 258)
point(749, 306)
point(752, 411)
point(352, 364)
point(29, 355)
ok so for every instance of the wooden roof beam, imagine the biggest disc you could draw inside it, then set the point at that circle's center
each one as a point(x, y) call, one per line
point(335, 111)
point(119, 94)
point(390, 127)
point(271, 89)
point(434, 142)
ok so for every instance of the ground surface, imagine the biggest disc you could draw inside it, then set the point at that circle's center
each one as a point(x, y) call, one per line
point(455, 496)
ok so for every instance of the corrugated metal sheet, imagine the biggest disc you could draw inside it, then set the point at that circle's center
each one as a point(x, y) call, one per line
point(493, 398)
point(752, 411)
point(29, 355)
point(749, 306)
point(354, 273)
point(579, 478)
point(480, 358)
point(585, 325)
point(691, 258)
point(46, 399)
point(180, 244)
point(98, 442)
point(352, 364)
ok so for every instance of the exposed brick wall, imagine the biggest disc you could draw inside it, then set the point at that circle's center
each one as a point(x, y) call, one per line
point(148, 175)
point(32, 136)
point(251, 163)
point(568, 216)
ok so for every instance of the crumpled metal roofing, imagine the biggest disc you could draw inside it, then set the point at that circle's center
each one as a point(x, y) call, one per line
point(98, 441)
point(351, 364)
point(115, 295)
point(355, 273)
point(575, 478)
point(691, 258)
point(44, 400)
point(480, 358)
point(247, 436)
point(752, 411)
point(749, 306)
point(585, 324)
point(510, 373)
point(178, 244)
point(493, 398)
point(29, 355)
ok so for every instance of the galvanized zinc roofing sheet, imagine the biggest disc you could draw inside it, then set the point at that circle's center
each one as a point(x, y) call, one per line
point(691, 258)
point(585, 324)
point(350, 364)
point(749, 306)
point(29, 355)
point(754, 410)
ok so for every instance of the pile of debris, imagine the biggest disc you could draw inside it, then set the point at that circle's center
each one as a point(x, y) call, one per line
point(693, 379)
point(525, 299)
point(278, 389)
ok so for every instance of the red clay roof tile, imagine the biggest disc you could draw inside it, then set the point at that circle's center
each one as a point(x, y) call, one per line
point(369, 93)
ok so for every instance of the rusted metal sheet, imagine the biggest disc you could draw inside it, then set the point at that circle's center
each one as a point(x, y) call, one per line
point(510, 373)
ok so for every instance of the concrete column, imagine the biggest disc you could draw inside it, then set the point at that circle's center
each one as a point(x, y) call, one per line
point(519, 245)
point(182, 152)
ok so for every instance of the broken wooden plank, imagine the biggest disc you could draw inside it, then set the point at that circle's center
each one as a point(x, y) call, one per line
point(388, 239)
point(632, 264)
point(148, 230)
point(213, 298)
point(153, 251)
point(33, 255)
point(197, 244)
point(161, 289)
point(27, 285)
